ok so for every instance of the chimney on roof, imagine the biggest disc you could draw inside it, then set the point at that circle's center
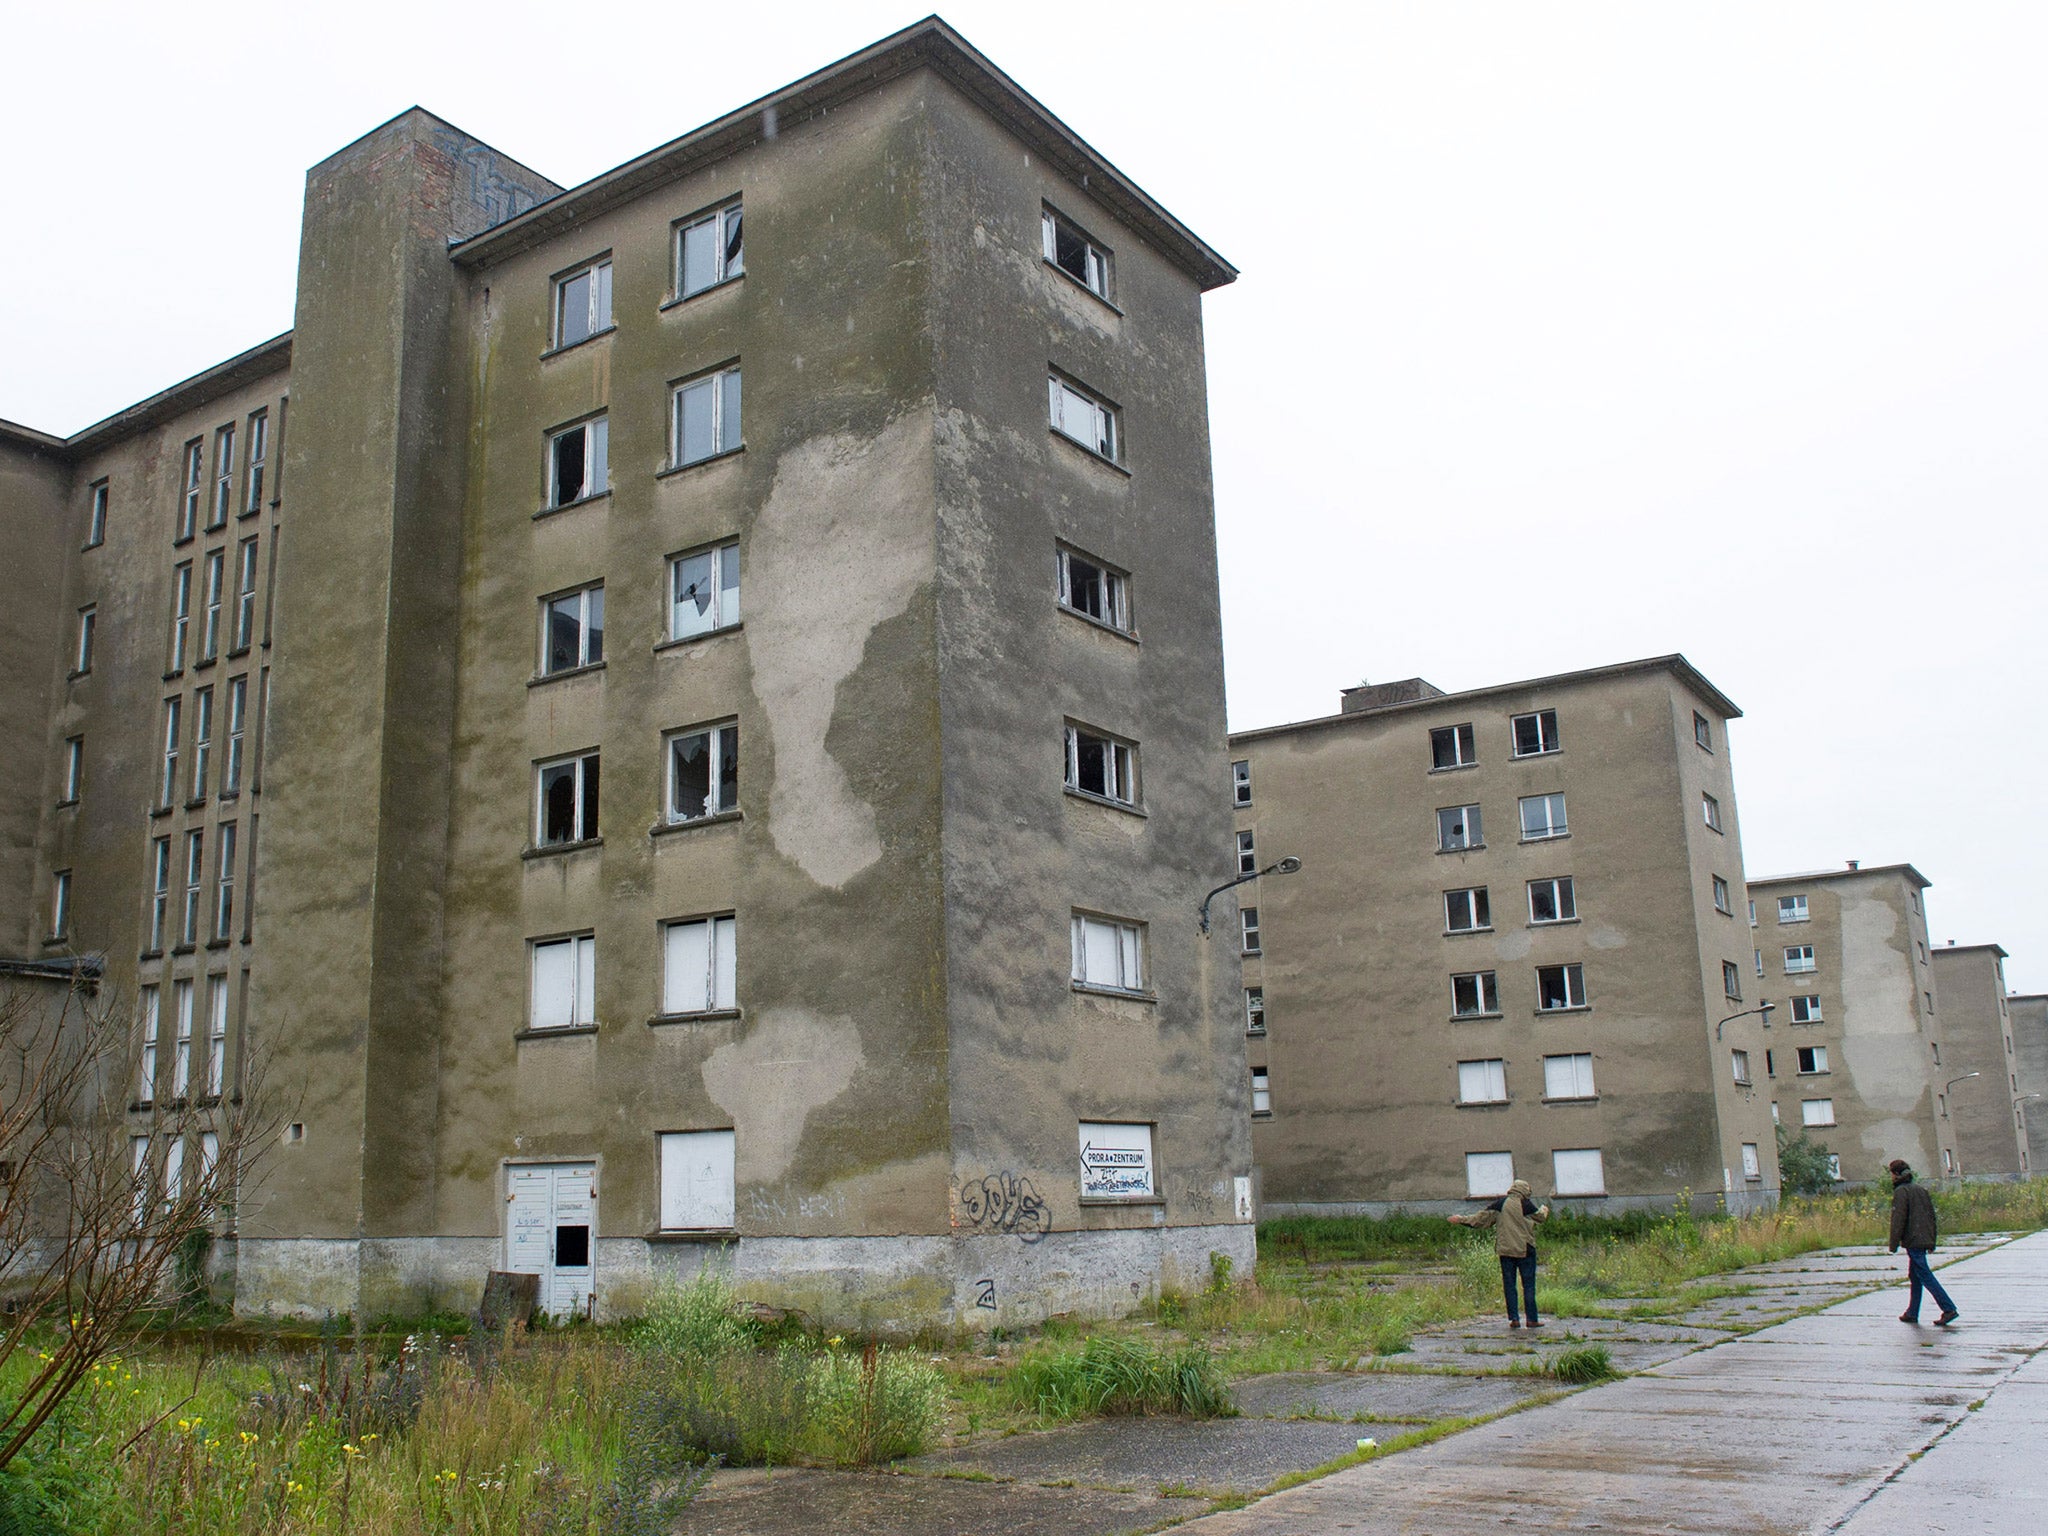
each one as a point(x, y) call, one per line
point(1951, 943)
point(1380, 695)
point(1854, 863)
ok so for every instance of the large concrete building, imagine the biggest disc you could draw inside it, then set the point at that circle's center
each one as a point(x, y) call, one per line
point(874, 962)
point(2028, 1012)
point(1514, 949)
point(1977, 1036)
point(1859, 1057)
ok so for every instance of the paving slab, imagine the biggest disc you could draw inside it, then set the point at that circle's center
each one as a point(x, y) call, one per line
point(1385, 1395)
point(1147, 1454)
point(805, 1503)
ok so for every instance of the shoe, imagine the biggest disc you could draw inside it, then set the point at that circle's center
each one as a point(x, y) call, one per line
point(1907, 1317)
point(1532, 1323)
point(1946, 1318)
point(1514, 1322)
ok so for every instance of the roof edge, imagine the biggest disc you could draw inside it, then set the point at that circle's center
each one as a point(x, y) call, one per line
point(1956, 949)
point(1809, 875)
point(265, 357)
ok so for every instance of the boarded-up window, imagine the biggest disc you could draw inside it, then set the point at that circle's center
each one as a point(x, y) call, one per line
point(1488, 1173)
point(699, 960)
point(1578, 1172)
point(564, 982)
point(696, 1180)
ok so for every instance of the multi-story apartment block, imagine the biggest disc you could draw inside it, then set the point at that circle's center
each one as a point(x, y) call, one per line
point(1977, 1036)
point(737, 738)
point(2028, 1013)
point(1514, 948)
point(1858, 1056)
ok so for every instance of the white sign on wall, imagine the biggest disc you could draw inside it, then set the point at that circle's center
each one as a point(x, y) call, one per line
point(1116, 1162)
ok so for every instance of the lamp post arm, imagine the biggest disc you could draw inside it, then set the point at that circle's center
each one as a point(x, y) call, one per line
point(1285, 866)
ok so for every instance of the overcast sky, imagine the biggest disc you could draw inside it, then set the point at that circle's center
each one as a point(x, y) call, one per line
point(1567, 334)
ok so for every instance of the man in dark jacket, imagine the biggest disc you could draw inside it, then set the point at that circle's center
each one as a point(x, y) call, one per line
point(1913, 1230)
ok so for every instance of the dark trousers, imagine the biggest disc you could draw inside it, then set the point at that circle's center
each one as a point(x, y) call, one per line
point(1525, 1266)
point(1921, 1276)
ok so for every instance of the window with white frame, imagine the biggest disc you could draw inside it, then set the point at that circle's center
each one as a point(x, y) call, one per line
point(1458, 827)
point(181, 1038)
point(696, 1181)
point(1569, 1076)
point(195, 881)
point(699, 971)
point(1088, 586)
point(259, 454)
point(1752, 914)
point(245, 594)
point(1467, 910)
point(1453, 746)
point(1535, 733)
point(1792, 909)
point(704, 591)
point(181, 614)
point(138, 1178)
point(1759, 962)
point(60, 903)
point(149, 1004)
point(1081, 417)
point(1560, 986)
point(174, 731)
point(1578, 1171)
point(705, 419)
point(88, 621)
point(224, 884)
point(1262, 1092)
point(160, 892)
point(1806, 1009)
point(1752, 1163)
point(1108, 952)
point(1241, 783)
point(1722, 901)
point(1074, 253)
point(1248, 926)
point(1799, 959)
point(96, 515)
point(1738, 1062)
point(1553, 900)
point(74, 770)
point(572, 630)
point(1702, 731)
point(223, 475)
point(1101, 765)
point(1474, 993)
point(579, 462)
point(174, 1172)
point(710, 248)
point(1731, 980)
point(209, 630)
point(1483, 1082)
point(1255, 1010)
point(216, 1035)
point(564, 982)
point(1710, 810)
point(202, 741)
point(238, 722)
point(194, 488)
point(1247, 854)
point(703, 771)
point(583, 303)
point(1813, 1060)
point(1543, 816)
point(565, 809)
point(1816, 1111)
point(1488, 1174)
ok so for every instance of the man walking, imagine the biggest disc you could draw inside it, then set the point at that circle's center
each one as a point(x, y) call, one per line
point(1513, 1218)
point(1913, 1229)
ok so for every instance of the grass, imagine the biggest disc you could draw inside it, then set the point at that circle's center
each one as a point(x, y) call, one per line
point(1110, 1375)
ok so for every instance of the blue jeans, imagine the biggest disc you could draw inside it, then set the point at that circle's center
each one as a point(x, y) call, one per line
point(1921, 1276)
point(1525, 1266)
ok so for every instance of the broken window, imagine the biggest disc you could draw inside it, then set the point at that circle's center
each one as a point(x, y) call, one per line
point(703, 772)
point(1248, 926)
point(709, 250)
point(707, 417)
point(564, 982)
point(149, 1003)
point(1731, 980)
point(96, 520)
point(1792, 909)
point(1560, 986)
point(1702, 732)
point(88, 620)
point(568, 801)
point(1453, 746)
point(1483, 1082)
point(181, 1038)
point(74, 770)
point(1552, 901)
point(1467, 910)
point(1798, 959)
point(1108, 952)
point(209, 633)
point(1578, 1172)
point(1457, 828)
point(60, 903)
point(577, 467)
point(1542, 816)
point(1474, 993)
point(1255, 1010)
point(160, 898)
point(195, 470)
point(1241, 783)
point(202, 741)
point(224, 885)
point(174, 721)
point(195, 881)
point(1247, 854)
point(1075, 254)
point(1568, 1077)
point(238, 718)
point(1100, 591)
point(1806, 1010)
point(1262, 1092)
point(216, 1034)
point(1078, 415)
point(1710, 811)
point(1813, 1058)
point(1102, 766)
point(699, 965)
point(704, 591)
point(223, 475)
point(259, 451)
point(572, 630)
point(1721, 898)
point(181, 614)
point(583, 304)
point(1739, 1064)
point(1535, 733)
point(245, 594)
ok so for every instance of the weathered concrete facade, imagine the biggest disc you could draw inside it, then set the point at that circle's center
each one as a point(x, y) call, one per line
point(1977, 1036)
point(1404, 1032)
point(2028, 1014)
point(901, 1053)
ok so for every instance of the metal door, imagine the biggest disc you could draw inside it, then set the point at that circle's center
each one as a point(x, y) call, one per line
point(551, 1231)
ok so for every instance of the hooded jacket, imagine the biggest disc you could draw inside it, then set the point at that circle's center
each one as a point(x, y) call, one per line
point(1513, 1218)
point(1912, 1214)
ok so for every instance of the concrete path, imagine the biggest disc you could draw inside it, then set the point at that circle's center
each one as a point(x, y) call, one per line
point(1845, 1419)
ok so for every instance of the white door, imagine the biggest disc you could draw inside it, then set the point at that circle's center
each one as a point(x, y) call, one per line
point(551, 1231)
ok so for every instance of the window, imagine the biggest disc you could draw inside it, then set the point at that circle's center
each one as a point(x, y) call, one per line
point(1255, 1010)
point(1560, 986)
point(149, 1001)
point(195, 880)
point(583, 304)
point(224, 885)
point(709, 249)
point(1104, 766)
point(209, 634)
point(699, 972)
point(160, 898)
point(1710, 808)
point(1482, 1082)
point(1568, 1077)
point(245, 594)
point(703, 772)
point(1722, 901)
point(181, 1038)
point(74, 770)
point(707, 417)
point(1935, 1046)
point(1816, 1111)
point(1542, 816)
point(1262, 1092)
point(259, 451)
point(195, 470)
point(1739, 1062)
point(704, 591)
point(1578, 1172)
point(1458, 827)
point(216, 1034)
point(1792, 909)
point(1835, 1165)
point(1075, 254)
point(1474, 993)
point(566, 811)
point(1806, 1010)
point(1247, 854)
point(1108, 953)
point(577, 467)
point(1241, 783)
point(138, 1176)
point(1731, 980)
point(1488, 1174)
point(174, 723)
point(1452, 746)
point(60, 903)
point(572, 630)
point(181, 614)
point(1770, 1063)
point(1922, 946)
point(1535, 733)
point(1928, 999)
point(223, 475)
point(96, 515)
point(1703, 733)
point(564, 982)
point(1087, 586)
point(1467, 911)
point(174, 1173)
point(1798, 959)
point(202, 741)
point(1078, 415)
point(696, 1181)
point(1759, 962)
point(1813, 1059)
point(1752, 914)
point(88, 620)
point(1116, 1162)
point(238, 720)
point(1248, 923)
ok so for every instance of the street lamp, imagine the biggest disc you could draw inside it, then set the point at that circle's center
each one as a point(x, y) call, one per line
point(1762, 1010)
point(1286, 866)
point(1949, 1087)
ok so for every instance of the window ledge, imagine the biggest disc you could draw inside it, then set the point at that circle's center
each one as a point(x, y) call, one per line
point(183, 949)
point(570, 506)
point(712, 458)
point(88, 548)
point(1095, 454)
point(1252, 954)
point(1523, 757)
point(1793, 922)
point(1587, 1098)
point(204, 663)
point(554, 1032)
point(1466, 1018)
point(1124, 1199)
point(182, 540)
point(159, 810)
point(56, 939)
point(719, 818)
point(174, 674)
point(697, 293)
point(696, 1235)
point(1468, 848)
point(248, 512)
point(566, 672)
point(219, 943)
point(1102, 624)
point(1552, 922)
point(1092, 990)
point(571, 346)
point(1101, 299)
point(150, 954)
point(1546, 837)
point(1466, 933)
point(1484, 1103)
point(549, 850)
point(1262, 1114)
point(238, 652)
point(700, 1016)
point(1258, 1034)
point(703, 635)
point(67, 804)
point(1104, 800)
point(228, 794)
point(1542, 1013)
point(1805, 1075)
point(76, 673)
point(196, 803)
point(1580, 1194)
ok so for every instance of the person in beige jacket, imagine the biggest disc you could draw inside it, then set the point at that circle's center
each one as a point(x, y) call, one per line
point(1513, 1217)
